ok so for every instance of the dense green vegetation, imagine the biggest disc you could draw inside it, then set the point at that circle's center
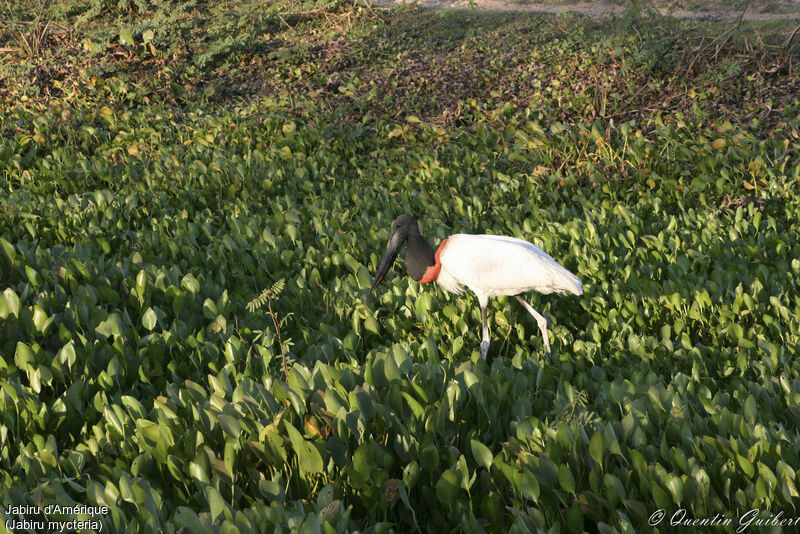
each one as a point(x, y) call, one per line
point(174, 171)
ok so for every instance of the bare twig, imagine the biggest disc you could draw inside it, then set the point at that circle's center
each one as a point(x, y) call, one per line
point(719, 41)
point(788, 41)
point(637, 32)
point(280, 16)
point(368, 5)
point(243, 340)
point(784, 56)
point(32, 40)
point(280, 342)
point(317, 11)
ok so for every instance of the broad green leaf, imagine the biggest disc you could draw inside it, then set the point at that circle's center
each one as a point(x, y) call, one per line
point(112, 326)
point(675, 487)
point(596, 448)
point(216, 504)
point(566, 479)
point(447, 488)
point(209, 309)
point(482, 454)
point(8, 249)
point(40, 319)
point(9, 304)
point(530, 486)
point(198, 472)
point(575, 521)
point(149, 319)
point(746, 465)
point(230, 425)
point(114, 420)
point(190, 283)
point(126, 37)
point(24, 357)
point(613, 489)
point(272, 490)
point(750, 409)
point(309, 458)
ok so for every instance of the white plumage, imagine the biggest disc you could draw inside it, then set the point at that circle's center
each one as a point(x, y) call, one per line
point(495, 265)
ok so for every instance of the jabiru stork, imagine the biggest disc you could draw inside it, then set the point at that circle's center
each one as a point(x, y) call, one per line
point(489, 265)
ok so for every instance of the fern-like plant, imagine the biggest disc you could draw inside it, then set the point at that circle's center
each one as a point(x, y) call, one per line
point(574, 411)
point(266, 297)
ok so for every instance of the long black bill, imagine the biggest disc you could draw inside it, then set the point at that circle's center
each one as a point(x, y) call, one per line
point(392, 250)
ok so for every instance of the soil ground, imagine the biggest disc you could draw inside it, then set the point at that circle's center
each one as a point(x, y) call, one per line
point(713, 10)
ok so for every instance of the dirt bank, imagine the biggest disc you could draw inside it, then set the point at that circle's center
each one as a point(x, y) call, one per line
point(713, 11)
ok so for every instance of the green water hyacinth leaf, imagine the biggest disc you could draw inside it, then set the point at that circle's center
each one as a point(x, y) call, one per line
point(188, 518)
point(746, 465)
point(230, 425)
point(596, 448)
point(272, 490)
point(209, 309)
point(114, 420)
point(149, 319)
point(34, 378)
point(190, 283)
point(41, 320)
point(112, 326)
point(8, 250)
point(133, 406)
point(575, 518)
point(24, 357)
point(371, 325)
point(126, 37)
point(675, 486)
point(67, 354)
point(198, 472)
point(309, 458)
point(423, 305)
point(565, 479)
point(9, 304)
point(447, 488)
point(274, 446)
point(530, 486)
point(613, 488)
point(482, 454)
point(33, 276)
point(750, 409)
point(217, 504)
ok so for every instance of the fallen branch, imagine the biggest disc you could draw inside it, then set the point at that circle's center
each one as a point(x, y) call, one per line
point(719, 41)
point(784, 56)
point(31, 41)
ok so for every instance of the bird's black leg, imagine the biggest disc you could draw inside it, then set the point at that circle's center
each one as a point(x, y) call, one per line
point(541, 321)
point(484, 301)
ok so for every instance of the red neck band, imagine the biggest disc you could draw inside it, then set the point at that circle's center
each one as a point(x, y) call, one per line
point(432, 272)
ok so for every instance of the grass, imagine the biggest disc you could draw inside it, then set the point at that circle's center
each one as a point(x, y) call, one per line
point(188, 231)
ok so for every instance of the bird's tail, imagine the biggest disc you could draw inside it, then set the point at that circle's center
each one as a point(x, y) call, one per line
point(569, 282)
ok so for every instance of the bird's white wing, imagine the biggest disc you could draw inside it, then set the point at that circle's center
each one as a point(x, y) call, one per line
point(501, 265)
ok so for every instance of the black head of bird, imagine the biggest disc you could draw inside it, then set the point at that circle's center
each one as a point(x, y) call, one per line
point(419, 254)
